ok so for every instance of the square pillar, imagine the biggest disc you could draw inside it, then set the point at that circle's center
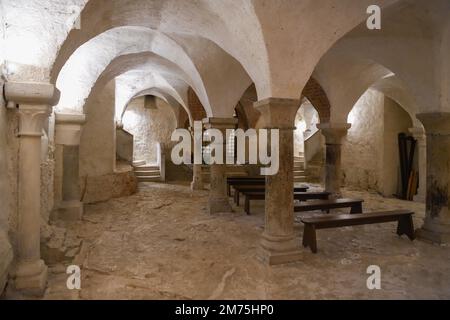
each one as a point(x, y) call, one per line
point(333, 133)
point(279, 243)
point(436, 227)
point(218, 196)
point(33, 101)
point(197, 180)
point(67, 137)
point(419, 135)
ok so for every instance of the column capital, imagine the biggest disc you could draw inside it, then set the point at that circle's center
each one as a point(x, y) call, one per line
point(220, 123)
point(435, 123)
point(334, 132)
point(68, 128)
point(31, 93)
point(418, 133)
point(278, 113)
point(33, 102)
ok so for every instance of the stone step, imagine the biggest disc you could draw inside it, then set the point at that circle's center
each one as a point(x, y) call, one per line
point(146, 168)
point(300, 179)
point(138, 163)
point(149, 179)
point(147, 173)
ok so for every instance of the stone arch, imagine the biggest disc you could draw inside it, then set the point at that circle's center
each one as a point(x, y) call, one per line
point(246, 30)
point(314, 92)
point(167, 97)
point(86, 65)
point(393, 88)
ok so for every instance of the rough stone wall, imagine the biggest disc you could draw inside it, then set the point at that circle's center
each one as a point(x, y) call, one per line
point(362, 150)
point(370, 158)
point(149, 126)
point(306, 119)
point(7, 193)
point(396, 120)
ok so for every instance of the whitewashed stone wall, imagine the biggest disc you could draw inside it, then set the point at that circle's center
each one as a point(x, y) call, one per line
point(149, 126)
point(362, 150)
point(370, 159)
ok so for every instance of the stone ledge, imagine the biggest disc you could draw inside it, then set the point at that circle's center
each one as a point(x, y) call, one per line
point(106, 187)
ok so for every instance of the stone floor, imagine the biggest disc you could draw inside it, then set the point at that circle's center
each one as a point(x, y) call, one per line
point(162, 244)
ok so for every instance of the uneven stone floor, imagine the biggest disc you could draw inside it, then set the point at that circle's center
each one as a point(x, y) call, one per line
point(162, 244)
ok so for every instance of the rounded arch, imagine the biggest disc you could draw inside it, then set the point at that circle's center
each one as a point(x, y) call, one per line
point(230, 26)
point(135, 83)
point(315, 94)
point(128, 47)
point(278, 57)
point(167, 97)
point(393, 88)
point(406, 46)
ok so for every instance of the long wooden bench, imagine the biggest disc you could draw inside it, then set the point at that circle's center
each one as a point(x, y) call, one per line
point(300, 195)
point(403, 217)
point(241, 181)
point(355, 205)
point(258, 189)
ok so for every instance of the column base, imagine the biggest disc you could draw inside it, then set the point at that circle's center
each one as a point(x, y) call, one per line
point(197, 185)
point(334, 195)
point(434, 232)
point(70, 210)
point(279, 250)
point(219, 205)
point(419, 198)
point(31, 278)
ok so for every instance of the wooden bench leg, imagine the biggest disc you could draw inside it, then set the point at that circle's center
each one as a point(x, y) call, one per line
point(236, 197)
point(247, 205)
point(406, 226)
point(356, 208)
point(309, 238)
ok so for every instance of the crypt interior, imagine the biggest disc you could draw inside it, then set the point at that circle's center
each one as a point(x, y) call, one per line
point(92, 90)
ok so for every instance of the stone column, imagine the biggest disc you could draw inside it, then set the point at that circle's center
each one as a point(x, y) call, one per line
point(279, 243)
point(436, 227)
point(333, 132)
point(218, 197)
point(68, 134)
point(197, 180)
point(419, 135)
point(33, 102)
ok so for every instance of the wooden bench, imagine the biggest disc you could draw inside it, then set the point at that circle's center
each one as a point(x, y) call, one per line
point(355, 205)
point(242, 181)
point(258, 189)
point(403, 217)
point(298, 195)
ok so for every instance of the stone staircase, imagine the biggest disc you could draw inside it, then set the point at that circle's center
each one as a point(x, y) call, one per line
point(146, 173)
point(299, 168)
